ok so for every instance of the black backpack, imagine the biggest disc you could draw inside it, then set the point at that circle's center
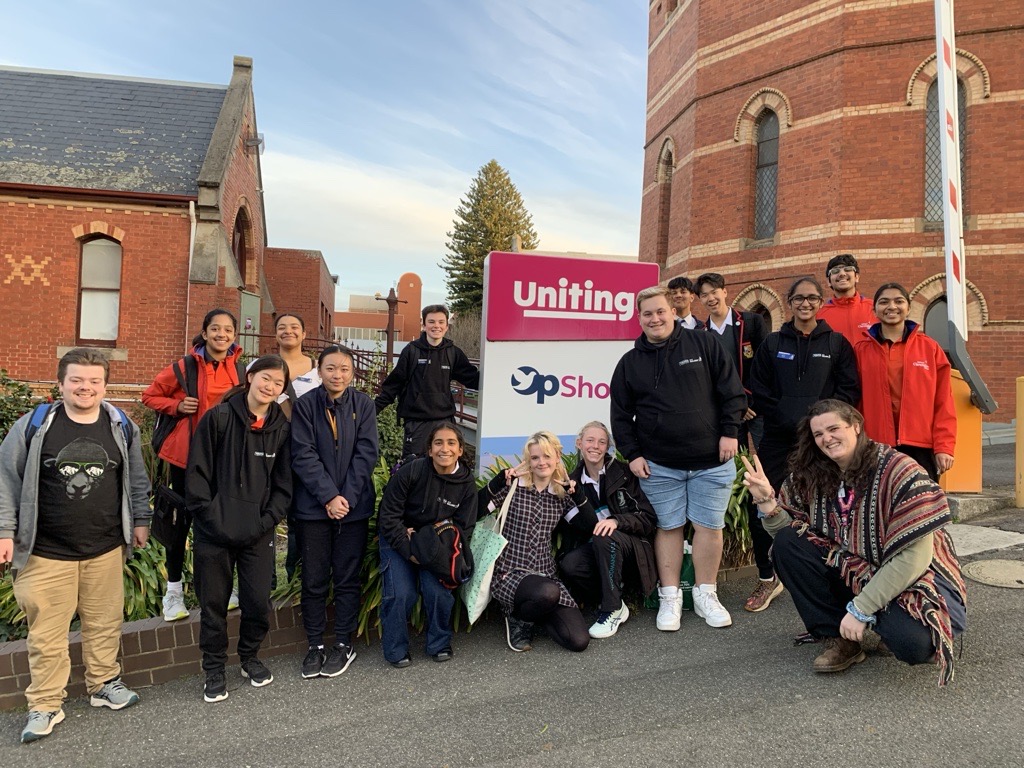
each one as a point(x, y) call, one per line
point(186, 371)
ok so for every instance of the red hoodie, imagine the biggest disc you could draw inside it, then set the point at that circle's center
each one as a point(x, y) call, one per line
point(927, 417)
point(851, 316)
point(164, 394)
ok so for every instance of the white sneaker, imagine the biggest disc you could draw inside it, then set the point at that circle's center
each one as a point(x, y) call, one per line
point(174, 606)
point(706, 605)
point(670, 608)
point(233, 600)
point(608, 622)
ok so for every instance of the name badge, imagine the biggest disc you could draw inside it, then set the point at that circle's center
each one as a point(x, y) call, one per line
point(785, 355)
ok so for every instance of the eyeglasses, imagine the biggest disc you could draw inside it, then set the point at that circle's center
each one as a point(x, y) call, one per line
point(796, 301)
point(837, 270)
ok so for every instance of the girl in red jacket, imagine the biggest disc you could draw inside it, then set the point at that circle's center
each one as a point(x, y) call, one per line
point(907, 398)
point(216, 356)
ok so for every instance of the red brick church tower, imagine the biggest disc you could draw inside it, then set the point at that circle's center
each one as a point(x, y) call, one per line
point(783, 132)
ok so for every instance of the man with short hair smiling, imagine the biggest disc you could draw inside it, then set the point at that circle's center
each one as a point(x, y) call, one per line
point(848, 311)
point(681, 294)
point(741, 335)
point(676, 408)
point(422, 380)
point(74, 500)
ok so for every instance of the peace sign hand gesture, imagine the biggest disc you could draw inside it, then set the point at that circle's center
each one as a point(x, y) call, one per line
point(755, 479)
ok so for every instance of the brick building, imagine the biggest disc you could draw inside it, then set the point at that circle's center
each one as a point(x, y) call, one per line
point(292, 273)
point(366, 318)
point(128, 208)
point(783, 132)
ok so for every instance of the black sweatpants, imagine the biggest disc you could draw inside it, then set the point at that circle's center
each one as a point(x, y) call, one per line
point(593, 571)
point(214, 566)
point(332, 555)
point(820, 596)
point(416, 435)
point(176, 551)
point(536, 601)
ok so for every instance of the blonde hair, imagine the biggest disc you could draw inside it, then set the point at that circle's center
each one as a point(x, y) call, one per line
point(597, 425)
point(650, 293)
point(550, 444)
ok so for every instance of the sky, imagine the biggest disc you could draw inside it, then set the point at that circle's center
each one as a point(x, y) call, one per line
point(377, 115)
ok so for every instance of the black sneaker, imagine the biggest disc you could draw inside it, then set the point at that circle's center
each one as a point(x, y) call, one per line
point(338, 659)
point(519, 634)
point(257, 672)
point(216, 688)
point(402, 663)
point(314, 662)
point(444, 655)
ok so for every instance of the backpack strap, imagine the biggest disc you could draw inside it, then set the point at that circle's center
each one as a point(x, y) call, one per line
point(39, 416)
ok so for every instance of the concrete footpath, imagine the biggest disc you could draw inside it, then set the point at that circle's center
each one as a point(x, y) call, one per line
point(742, 696)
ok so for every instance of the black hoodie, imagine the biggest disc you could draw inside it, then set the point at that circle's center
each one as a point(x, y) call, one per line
point(671, 403)
point(791, 372)
point(239, 481)
point(422, 380)
point(417, 496)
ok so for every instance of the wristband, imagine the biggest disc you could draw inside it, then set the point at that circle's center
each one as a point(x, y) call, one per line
point(765, 500)
point(858, 614)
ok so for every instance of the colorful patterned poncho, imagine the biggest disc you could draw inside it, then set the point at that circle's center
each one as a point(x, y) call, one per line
point(899, 505)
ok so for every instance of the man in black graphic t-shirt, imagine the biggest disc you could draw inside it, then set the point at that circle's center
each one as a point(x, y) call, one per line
point(74, 499)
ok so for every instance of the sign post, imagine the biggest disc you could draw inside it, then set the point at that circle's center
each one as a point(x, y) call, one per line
point(553, 331)
point(952, 205)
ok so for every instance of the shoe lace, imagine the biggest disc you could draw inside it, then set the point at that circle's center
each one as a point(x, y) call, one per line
point(603, 616)
point(115, 686)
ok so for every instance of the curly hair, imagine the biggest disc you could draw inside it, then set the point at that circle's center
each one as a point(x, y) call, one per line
point(552, 446)
point(812, 471)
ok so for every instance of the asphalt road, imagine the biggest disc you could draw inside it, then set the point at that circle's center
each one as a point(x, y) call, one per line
point(743, 696)
point(997, 468)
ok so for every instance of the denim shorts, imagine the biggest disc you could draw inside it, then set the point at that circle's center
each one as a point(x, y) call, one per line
point(700, 495)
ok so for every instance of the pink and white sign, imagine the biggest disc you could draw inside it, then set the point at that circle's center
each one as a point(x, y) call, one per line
point(554, 329)
point(553, 298)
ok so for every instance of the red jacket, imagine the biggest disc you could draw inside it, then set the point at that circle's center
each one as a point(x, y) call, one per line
point(164, 394)
point(850, 316)
point(927, 418)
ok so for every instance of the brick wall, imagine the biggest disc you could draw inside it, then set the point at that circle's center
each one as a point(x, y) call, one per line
point(299, 282)
point(152, 652)
point(40, 255)
point(851, 149)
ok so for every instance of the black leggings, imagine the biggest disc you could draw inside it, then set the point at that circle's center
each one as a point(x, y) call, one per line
point(536, 601)
point(176, 550)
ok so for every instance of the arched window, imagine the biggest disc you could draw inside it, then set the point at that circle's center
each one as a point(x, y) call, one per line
point(936, 322)
point(666, 166)
point(766, 178)
point(933, 192)
point(239, 245)
point(99, 292)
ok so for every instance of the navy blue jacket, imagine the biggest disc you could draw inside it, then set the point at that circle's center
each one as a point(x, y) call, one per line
point(326, 467)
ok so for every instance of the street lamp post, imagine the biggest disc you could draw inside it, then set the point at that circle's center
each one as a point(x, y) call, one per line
point(392, 301)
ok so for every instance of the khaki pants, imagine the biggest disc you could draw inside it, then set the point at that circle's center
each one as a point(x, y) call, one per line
point(50, 592)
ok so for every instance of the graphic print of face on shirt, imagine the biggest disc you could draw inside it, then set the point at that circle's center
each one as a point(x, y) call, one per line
point(81, 465)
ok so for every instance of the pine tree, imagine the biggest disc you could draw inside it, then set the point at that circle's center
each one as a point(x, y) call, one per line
point(487, 218)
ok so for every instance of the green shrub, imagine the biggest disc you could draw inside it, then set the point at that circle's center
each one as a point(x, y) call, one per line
point(15, 401)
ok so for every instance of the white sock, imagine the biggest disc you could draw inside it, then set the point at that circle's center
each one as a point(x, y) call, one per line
point(708, 588)
point(174, 587)
point(668, 591)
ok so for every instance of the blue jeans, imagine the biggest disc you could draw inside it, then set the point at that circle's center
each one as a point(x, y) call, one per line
point(400, 578)
point(700, 495)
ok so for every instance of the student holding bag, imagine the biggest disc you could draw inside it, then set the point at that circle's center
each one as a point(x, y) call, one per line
point(525, 581)
point(427, 495)
point(239, 488)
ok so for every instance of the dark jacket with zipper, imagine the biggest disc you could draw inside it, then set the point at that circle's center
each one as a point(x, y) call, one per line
point(417, 497)
point(239, 480)
point(671, 403)
point(792, 372)
point(749, 331)
point(628, 506)
point(422, 380)
point(327, 465)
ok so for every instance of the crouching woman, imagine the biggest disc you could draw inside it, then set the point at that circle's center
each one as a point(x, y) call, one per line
point(238, 488)
point(428, 493)
point(860, 540)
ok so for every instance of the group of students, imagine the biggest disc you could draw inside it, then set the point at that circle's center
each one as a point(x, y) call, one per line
point(845, 509)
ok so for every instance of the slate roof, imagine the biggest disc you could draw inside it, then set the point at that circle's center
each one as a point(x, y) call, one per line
point(103, 132)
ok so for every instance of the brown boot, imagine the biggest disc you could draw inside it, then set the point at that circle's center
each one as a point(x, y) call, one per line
point(839, 654)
